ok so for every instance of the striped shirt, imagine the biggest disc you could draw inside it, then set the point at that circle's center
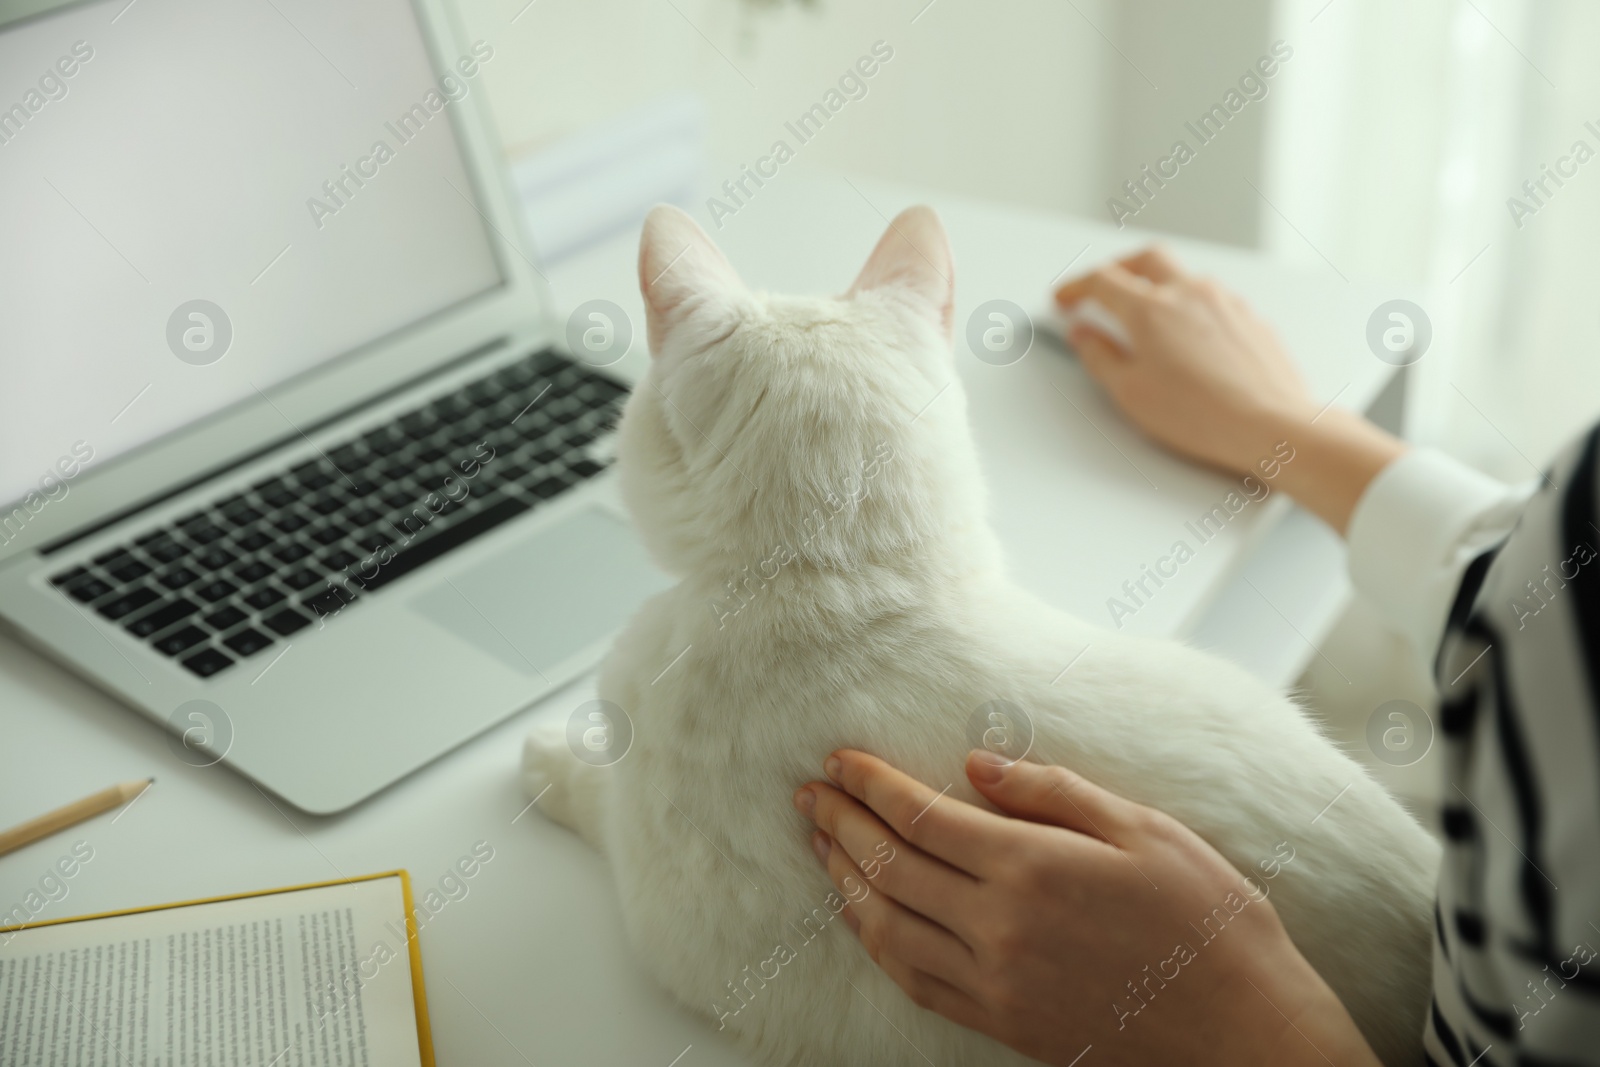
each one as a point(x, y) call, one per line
point(1506, 585)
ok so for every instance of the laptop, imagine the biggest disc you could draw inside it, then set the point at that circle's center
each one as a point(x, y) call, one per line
point(289, 462)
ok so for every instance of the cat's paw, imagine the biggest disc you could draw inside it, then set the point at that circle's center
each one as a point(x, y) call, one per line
point(546, 763)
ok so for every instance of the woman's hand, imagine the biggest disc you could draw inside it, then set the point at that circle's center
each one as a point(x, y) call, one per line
point(1206, 377)
point(1085, 920)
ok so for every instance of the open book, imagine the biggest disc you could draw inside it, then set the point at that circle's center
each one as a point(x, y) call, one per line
point(324, 975)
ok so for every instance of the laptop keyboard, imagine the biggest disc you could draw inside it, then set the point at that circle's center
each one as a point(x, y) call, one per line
point(228, 581)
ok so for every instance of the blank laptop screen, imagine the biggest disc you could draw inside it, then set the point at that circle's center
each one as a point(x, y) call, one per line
point(202, 198)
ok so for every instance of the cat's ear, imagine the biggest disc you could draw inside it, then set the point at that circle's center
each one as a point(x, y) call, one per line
point(914, 255)
point(679, 267)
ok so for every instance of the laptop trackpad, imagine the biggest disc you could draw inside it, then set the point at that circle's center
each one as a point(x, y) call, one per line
point(549, 596)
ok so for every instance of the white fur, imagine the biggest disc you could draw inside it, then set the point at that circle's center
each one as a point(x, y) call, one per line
point(762, 425)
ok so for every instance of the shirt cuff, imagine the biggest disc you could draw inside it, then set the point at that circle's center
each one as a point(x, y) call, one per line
point(1421, 521)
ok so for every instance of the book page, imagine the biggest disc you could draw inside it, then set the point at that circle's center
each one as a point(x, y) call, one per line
point(306, 978)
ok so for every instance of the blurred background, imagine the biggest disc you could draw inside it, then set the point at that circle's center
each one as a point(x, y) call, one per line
point(1387, 146)
point(1441, 145)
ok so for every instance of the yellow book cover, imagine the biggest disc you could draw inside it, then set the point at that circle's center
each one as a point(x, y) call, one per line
point(321, 975)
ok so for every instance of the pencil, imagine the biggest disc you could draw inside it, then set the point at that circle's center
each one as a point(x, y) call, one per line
point(71, 815)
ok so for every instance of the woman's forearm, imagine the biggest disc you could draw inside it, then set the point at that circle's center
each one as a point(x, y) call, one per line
point(1336, 457)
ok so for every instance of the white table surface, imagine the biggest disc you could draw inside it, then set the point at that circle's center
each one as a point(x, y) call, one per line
point(531, 967)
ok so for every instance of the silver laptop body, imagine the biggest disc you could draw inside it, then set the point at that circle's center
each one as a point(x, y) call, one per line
point(288, 463)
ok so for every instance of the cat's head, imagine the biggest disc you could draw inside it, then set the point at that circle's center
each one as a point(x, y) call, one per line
point(827, 429)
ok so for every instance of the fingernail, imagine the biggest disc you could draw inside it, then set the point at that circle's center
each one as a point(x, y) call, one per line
point(831, 766)
point(986, 766)
point(822, 845)
point(805, 801)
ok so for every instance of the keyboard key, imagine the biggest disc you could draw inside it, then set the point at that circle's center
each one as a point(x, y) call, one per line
point(330, 535)
point(208, 662)
point(499, 473)
point(302, 579)
point(205, 534)
point(581, 435)
point(264, 598)
point(363, 516)
point(67, 576)
point(254, 541)
point(180, 640)
point(291, 552)
point(112, 558)
point(128, 603)
point(214, 559)
point(586, 468)
point(166, 550)
point(313, 475)
point(275, 494)
point(397, 471)
point(242, 515)
point(514, 377)
point(286, 622)
point(509, 407)
point(253, 571)
point(268, 486)
point(385, 441)
point(248, 642)
point(338, 560)
point(93, 589)
point(217, 590)
point(326, 504)
point(450, 408)
point(350, 457)
point(418, 423)
point(373, 540)
point(546, 488)
point(330, 601)
point(177, 579)
point(225, 619)
point(290, 521)
point(155, 621)
point(129, 571)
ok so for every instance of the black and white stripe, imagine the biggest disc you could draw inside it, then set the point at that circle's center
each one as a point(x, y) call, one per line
point(1517, 955)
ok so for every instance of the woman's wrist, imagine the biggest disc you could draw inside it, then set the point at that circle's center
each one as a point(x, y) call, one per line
point(1336, 455)
point(1311, 1025)
point(1322, 1032)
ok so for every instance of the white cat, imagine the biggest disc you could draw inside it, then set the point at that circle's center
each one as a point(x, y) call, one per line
point(803, 466)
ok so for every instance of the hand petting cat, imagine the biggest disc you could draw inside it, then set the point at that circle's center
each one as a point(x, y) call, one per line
point(1069, 925)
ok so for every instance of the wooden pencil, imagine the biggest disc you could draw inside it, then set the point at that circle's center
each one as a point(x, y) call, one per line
point(71, 815)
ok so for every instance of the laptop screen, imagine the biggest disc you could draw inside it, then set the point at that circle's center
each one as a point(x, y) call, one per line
point(202, 198)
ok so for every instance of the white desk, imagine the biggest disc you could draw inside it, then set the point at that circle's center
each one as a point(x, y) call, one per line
point(530, 967)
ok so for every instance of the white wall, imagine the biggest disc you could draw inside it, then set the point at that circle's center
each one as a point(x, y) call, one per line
point(1002, 100)
point(1178, 60)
